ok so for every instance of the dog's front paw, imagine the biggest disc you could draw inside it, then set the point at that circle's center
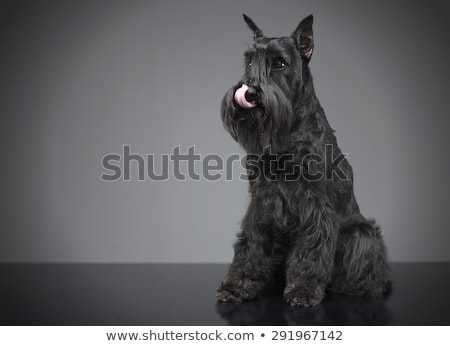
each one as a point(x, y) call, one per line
point(227, 296)
point(236, 293)
point(299, 296)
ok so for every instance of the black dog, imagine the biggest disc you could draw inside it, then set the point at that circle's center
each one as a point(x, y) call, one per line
point(303, 223)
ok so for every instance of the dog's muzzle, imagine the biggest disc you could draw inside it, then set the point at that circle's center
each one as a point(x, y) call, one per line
point(246, 96)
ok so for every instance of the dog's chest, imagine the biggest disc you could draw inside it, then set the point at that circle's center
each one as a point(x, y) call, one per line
point(275, 203)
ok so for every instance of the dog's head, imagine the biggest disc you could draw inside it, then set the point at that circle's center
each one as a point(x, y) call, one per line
point(259, 111)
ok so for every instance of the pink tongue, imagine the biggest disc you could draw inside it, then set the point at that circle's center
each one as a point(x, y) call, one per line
point(239, 97)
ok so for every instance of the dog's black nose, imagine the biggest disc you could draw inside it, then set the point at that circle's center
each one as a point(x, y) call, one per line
point(251, 95)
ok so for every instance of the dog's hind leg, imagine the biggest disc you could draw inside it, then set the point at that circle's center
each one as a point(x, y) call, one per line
point(361, 266)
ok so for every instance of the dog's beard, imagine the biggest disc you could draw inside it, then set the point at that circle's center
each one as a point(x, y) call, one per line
point(268, 125)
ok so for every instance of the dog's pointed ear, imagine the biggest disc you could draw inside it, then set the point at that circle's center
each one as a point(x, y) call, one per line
point(303, 37)
point(257, 32)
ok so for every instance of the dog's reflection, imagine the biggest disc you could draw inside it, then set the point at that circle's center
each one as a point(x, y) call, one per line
point(335, 309)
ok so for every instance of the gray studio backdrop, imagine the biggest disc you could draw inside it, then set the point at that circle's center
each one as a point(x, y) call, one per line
point(81, 79)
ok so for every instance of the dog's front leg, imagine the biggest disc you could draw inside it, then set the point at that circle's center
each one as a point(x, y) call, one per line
point(253, 263)
point(310, 262)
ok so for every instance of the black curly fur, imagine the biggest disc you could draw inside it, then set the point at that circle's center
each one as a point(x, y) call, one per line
point(303, 221)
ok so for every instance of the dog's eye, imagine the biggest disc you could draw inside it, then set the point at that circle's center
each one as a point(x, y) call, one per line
point(249, 62)
point(278, 63)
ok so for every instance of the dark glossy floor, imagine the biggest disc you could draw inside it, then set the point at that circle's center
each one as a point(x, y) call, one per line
point(169, 294)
